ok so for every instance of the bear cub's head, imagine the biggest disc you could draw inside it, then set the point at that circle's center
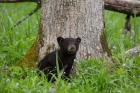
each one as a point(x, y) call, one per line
point(69, 45)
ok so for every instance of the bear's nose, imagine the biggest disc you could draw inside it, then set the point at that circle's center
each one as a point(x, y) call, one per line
point(72, 48)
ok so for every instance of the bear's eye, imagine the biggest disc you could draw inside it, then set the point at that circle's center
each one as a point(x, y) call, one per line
point(78, 39)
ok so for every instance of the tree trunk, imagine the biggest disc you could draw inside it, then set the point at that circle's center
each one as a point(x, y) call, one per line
point(72, 18)
point(131, 7)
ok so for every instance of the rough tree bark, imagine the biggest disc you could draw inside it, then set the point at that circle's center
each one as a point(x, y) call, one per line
point(73, 18)
point(131, 7)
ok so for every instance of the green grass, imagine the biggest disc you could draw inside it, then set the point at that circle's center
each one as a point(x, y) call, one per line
point(15, 42)
point(92, 75)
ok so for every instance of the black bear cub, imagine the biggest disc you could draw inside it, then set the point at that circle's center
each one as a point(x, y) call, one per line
point(64, 56)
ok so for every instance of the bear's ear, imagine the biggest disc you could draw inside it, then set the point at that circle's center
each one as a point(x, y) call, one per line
point(60, 39)
point(78, 39)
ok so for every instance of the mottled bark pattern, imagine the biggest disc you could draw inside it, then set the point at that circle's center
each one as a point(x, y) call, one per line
point(131, 7)
point(72, 18)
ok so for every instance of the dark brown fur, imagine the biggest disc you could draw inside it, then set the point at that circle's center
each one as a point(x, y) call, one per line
point(65, 57)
